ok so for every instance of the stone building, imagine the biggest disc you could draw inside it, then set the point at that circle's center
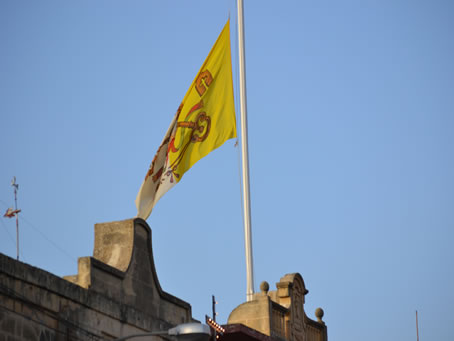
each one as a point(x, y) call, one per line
point(280, 314)
point(117, 293)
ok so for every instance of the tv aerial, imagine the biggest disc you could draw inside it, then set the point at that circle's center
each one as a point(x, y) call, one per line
point(11, 213)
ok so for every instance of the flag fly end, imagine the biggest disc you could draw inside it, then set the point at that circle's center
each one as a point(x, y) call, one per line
point(204, 120)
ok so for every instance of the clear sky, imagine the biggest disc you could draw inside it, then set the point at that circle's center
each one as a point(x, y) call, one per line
point(351, 121)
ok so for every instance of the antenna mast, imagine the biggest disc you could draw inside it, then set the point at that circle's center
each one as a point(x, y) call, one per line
point(16, 187)
point(417, 329)
point(11, 213)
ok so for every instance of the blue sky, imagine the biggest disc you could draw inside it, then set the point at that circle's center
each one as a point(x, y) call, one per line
point(351, 119)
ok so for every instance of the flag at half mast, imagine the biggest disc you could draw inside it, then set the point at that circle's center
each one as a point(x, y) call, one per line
point(204, 120)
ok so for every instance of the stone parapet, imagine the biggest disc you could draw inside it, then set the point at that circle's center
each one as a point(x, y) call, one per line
point(122, 268)
point(115, 293)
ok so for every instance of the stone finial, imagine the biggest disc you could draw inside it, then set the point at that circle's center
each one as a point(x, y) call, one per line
point(264, 287)
point(319, 314)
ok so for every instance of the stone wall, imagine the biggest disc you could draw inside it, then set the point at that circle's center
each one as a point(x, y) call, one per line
point(115, 293)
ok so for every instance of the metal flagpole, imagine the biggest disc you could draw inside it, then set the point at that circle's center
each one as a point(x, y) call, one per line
point(245, 157)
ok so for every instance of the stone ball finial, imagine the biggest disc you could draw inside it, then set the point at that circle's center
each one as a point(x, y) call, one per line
point(319, 314)
point(264, 287)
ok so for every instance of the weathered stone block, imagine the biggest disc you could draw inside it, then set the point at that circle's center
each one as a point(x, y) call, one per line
point(29, 333)
point(9, 325)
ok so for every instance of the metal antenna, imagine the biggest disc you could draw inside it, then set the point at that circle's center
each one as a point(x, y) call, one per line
point(217, 329)
point(213, 306)
point(417, 329)
point(16, 187)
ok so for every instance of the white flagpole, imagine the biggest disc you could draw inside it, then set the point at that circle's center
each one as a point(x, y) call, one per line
point(245, 157)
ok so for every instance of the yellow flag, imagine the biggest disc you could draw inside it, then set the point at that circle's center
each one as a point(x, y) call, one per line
point(204, 120)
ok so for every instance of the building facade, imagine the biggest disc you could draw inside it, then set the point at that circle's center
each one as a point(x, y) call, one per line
point(280, 314)
point(117, 293)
